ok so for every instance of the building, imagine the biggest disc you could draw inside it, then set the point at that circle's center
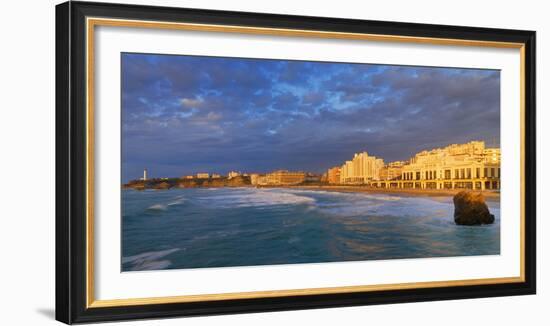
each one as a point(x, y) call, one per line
point(333, 175)
point(144, 178)
point(492, 155)
point(361, 169)
point(189, 177)
point(457, 166)
point(233, 174)
point(392, 170)
point(216, 176)
point(281, 178)
point(254, 178)
point(203, 175)
point(261, 180)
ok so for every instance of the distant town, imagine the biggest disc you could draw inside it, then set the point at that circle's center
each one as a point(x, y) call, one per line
point(457, 166)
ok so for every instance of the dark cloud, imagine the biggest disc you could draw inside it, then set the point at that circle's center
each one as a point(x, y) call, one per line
point(184, 114)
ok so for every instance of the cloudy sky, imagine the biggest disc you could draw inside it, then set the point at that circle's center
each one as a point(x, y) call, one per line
point(189, 114)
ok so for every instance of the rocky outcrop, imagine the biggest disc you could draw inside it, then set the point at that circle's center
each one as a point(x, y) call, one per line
point(162, 186)
point(187, 184)
point(471, 209)
point(134, 185)
point(239, 181)
point(167, 183)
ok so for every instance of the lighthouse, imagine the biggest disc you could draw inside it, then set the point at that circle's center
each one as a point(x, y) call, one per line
point(144, 175)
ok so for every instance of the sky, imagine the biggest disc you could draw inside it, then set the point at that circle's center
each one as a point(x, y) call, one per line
point(187, 114)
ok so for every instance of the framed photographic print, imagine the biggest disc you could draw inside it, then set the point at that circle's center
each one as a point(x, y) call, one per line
point(214, 162)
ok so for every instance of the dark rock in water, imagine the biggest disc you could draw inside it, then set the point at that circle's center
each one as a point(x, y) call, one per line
point(471, 209)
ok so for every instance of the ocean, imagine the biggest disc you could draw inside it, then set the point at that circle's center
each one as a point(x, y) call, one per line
point(222, 227)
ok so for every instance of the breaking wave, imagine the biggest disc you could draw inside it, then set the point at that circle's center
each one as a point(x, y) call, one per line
point(258, 198)
point(158, 207)
point(149, 260)
point(348, 195)
point(177, 200)
point(162, 207)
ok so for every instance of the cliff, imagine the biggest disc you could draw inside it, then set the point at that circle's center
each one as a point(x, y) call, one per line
point(160, 184)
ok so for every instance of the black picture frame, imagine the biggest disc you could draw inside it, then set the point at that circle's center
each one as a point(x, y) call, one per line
point(71, 158)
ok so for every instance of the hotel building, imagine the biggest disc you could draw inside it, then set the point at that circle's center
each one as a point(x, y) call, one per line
point(333, 175)
point(284, 177)
point(392, 171)
point(361, 169)
point(279, 178)
point(457, 166)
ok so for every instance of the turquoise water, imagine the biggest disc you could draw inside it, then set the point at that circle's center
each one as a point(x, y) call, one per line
point(220, 227)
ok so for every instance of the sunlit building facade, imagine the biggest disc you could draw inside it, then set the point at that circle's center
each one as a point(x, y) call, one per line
point(233, 174)
point(279, 178)
point(392, 171)
point(333, 175)
point(361, 169)
point(457, 166)
point(254, 178)
point(284, 177)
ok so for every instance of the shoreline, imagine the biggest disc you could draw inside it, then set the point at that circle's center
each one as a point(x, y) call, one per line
point(489, 195)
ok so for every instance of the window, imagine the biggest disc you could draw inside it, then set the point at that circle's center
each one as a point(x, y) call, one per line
point(477, 172)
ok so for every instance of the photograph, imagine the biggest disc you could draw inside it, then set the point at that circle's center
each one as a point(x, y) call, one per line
point(230, 160)
point(234, 162)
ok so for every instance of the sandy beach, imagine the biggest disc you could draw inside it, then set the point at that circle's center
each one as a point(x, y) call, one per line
point(489, 195)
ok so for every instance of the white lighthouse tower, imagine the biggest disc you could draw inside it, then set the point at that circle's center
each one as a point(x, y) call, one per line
point(144, 175)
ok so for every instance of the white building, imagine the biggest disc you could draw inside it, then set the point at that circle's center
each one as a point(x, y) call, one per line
point(233, 174)
point(144, 178)
point(361, 169)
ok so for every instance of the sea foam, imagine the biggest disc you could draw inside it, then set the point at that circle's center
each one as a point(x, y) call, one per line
point(164, 206)
point(149, 260)
point(258, 198)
